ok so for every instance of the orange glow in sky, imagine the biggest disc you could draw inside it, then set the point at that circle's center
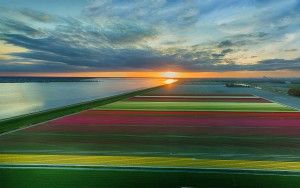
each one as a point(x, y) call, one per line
point(168, 74)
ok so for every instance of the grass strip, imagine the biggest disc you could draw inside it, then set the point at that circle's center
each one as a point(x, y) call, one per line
point(55, 177)
point(187, 99)
point(196, 106)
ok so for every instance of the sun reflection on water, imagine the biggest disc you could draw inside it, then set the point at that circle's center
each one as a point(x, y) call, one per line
point(170, 81)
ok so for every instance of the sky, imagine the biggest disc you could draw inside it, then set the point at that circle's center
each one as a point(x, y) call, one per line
point(200, 38)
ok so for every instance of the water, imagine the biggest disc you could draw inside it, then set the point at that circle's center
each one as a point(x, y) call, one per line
point(28, 96)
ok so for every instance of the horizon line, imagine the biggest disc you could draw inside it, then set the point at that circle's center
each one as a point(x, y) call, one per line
point(159, 74)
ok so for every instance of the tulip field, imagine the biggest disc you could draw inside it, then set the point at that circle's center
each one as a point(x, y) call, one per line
point(188, 139)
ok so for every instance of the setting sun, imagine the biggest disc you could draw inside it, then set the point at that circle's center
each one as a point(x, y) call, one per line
point(169, 74)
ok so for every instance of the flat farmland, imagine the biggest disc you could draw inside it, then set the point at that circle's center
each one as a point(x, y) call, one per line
point(197, 106)
point(172, 131)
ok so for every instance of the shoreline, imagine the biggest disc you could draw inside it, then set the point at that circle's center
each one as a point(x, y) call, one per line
point(23, 121)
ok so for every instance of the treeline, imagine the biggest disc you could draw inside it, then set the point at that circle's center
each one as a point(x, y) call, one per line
point(237, 85)
point(294, 92)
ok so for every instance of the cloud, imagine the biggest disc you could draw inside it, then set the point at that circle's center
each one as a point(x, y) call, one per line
point(83, 43)
point(226, 43)
point(152, 35)
point(10, 25)
point(57, 50)
point(150, 12)
point(37, 15)
point(291, 50)
point(276, 64)
point(226, 51)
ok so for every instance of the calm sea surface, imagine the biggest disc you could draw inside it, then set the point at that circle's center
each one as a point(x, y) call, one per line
point(36, 95)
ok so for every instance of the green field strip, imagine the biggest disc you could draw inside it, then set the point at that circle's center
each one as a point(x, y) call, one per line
point(196, 106)
point(198, 97)
point(54, 177)
point(150, 144)
point(136, 161)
